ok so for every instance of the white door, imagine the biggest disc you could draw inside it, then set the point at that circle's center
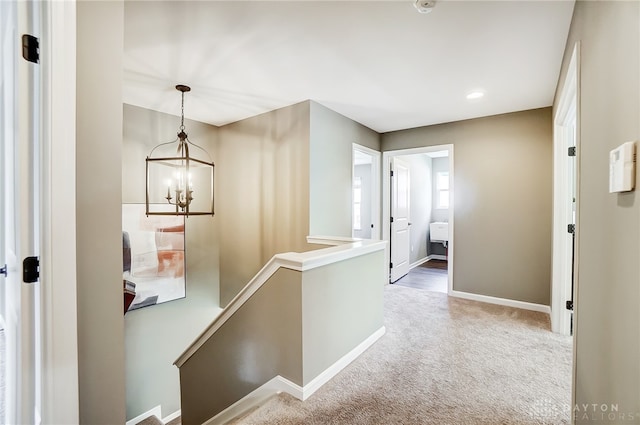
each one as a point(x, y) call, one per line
point(19, 191)
point(400, 224)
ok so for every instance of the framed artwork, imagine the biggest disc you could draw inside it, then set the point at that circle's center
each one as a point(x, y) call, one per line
point(153, 257)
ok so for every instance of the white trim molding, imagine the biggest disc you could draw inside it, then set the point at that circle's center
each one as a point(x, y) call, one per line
point(156, 411)
point(376, 158)
point(294, 261)
point(334, 369)
point(172, 416)
point(60, 388)
point(566, 131)
point(279, 384)
point(386, 200)
point(419, 262)
point(502, 301)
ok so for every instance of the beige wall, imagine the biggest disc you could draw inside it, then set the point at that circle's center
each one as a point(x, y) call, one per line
point(607, 333)
point(341, 307)
point(502, 167)
point(296, 325)
point(101, 355)
point(262, 340)
point(156, 336)
point(331, 138)
point(262, 186)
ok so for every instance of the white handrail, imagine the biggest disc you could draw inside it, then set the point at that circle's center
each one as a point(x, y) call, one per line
point(300, 261)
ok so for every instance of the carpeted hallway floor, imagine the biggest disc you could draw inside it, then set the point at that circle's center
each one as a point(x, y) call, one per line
point(443, 361)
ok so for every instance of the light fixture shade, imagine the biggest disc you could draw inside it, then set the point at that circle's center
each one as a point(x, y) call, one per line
point(179, 176)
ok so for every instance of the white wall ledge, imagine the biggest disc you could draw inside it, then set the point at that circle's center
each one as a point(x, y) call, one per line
point(342, 249)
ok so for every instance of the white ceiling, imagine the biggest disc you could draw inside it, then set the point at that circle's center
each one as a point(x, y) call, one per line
point(380, 63)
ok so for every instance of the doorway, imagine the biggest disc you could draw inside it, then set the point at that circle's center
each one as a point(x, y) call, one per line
point(365, 200)
point(418, 183)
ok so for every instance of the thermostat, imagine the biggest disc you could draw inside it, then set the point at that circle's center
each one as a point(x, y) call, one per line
point(622, 168)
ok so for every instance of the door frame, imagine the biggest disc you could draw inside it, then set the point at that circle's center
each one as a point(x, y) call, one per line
point(386, 200)
point(59, 345)
point(568, 111)
point(375, 186)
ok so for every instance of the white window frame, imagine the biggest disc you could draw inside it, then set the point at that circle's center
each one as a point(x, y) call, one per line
point(441, 188)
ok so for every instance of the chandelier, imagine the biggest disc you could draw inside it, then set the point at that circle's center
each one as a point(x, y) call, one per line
point(179, 176)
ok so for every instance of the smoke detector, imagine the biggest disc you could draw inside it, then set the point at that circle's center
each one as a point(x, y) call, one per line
point(424, 6)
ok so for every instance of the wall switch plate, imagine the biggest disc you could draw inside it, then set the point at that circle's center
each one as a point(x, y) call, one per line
point(622, 168)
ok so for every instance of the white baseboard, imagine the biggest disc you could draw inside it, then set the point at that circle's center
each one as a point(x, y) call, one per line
point(417, 263)
point(502, 301)
point(156, 411)
point(425, 259)
point(279, 384)
point(255, 398)
point(172, 416)
point(335, 368)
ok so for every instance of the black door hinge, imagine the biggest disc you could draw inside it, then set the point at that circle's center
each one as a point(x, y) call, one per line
point(30, 48)
point(571, 228)
point(30, 269)
point(572, 151)
point(569, 305)
point(390, 265)
point(3, 270)
point(392, 219)
point(391, 173)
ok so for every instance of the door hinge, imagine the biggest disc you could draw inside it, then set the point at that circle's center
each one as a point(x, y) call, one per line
point(30, 48)
point(391, 173)
point(3, 270)
point(392, 219)
point(30, 269)
point(390, 265)
point(569, 305)
point(572, 151)
point(571, 228)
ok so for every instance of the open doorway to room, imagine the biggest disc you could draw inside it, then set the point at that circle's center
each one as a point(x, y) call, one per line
point(418, 216)
point(365, 217)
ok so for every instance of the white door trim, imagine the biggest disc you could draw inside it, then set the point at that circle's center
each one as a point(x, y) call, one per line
point(566, 112)
point(375, 188)
point(386, 199)
point(60, 396)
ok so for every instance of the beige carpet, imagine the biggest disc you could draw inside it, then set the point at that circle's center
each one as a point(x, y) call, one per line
point(443, 361)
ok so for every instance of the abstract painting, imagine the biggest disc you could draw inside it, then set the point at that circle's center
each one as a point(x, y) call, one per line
point(153, 257)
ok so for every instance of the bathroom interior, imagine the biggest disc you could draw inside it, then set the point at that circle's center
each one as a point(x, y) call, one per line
point(429, 215)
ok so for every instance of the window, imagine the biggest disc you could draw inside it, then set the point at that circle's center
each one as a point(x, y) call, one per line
point(442, 190)
point(357, 203)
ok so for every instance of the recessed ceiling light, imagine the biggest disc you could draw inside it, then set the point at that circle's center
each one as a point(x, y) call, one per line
point(475, 95)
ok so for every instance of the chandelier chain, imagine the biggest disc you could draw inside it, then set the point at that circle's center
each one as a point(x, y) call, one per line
point(182, 114)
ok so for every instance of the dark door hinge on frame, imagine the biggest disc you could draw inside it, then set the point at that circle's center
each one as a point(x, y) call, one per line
point(31, 269)
point(571, 228)
point(3, 270)
point(572, 151)
point(569, 305)
point(30, 48)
